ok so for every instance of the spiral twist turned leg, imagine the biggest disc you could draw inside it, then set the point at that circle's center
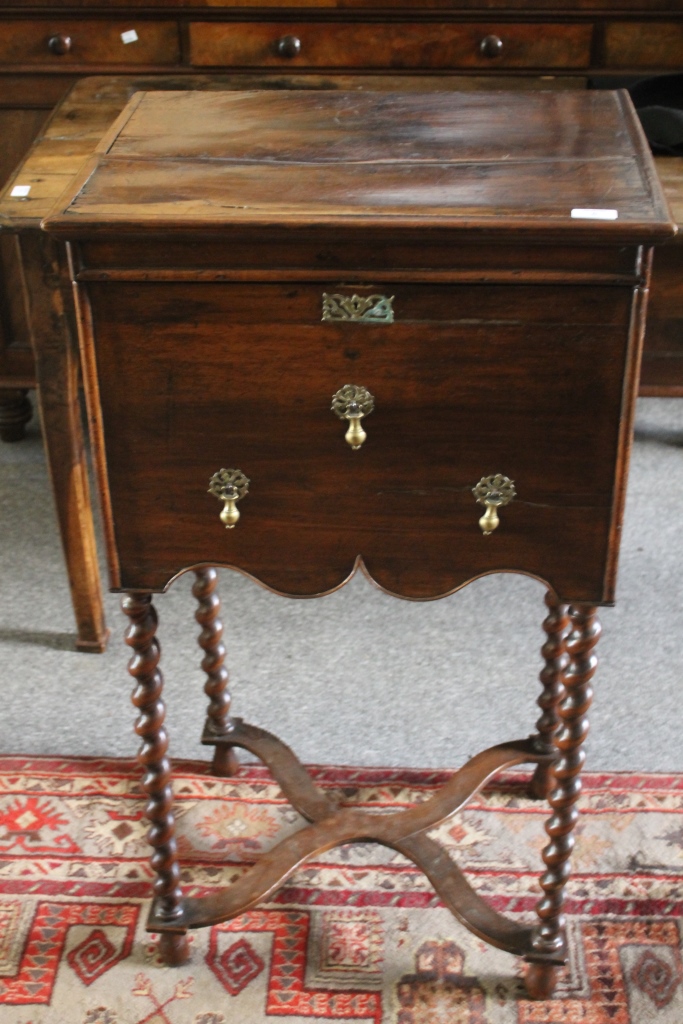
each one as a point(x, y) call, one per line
point(554, 653)
point(219, 722)
point(143, 666)
point(549, 939)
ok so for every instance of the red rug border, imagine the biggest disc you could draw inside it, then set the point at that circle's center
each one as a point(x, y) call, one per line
point(127, 767)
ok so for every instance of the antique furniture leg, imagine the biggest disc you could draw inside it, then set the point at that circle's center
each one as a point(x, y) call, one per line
point(554, 652)
point(57, 371)
point(566, 783)
point(218, 722)
point(15, 413)
point(143, 666)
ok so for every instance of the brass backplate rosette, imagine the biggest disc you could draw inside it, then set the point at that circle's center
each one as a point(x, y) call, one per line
point(494, 492)
point(229, 485)
point(352, 403)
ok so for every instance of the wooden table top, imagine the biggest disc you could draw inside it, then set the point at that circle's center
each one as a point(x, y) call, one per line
point(509, 162)
point(77, 125)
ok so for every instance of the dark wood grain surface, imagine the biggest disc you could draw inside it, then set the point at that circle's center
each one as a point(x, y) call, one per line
point(68, 41)
point(205, 347)
point(394, 46)
point(334, 158)
point(444, 418)
point(566, 7)
point(662, 366)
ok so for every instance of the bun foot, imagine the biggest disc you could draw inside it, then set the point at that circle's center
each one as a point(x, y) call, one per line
point(225, 761)
point(540, 980)
point(174, 949)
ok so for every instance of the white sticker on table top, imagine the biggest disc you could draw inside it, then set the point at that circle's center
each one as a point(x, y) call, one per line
point(20, 191)
point(130, 36)
point(589, 214)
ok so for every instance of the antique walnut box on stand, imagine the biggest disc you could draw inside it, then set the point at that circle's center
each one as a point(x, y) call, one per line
point(399, 332)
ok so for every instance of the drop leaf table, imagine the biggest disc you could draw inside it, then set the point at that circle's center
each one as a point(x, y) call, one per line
point(400, 332)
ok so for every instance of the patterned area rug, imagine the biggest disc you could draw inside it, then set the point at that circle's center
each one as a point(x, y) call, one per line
point(357, 935)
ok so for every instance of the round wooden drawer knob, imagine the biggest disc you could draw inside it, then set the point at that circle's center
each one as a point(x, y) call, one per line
point(59, 44)
point(491, 46)
point(289, 46)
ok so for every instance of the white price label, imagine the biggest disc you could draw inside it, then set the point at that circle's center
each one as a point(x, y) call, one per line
point(20, 191)
point(579, 214)
point(130, 36)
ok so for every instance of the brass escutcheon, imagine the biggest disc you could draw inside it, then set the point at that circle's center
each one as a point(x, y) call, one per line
point(363, 309)
point(352, 403)
point(494, 492)
point(229, 486)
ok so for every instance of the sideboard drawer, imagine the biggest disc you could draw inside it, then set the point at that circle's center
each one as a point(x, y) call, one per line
point(67, 41)
point(400, 45)
point(512, 380)
point(635, 44)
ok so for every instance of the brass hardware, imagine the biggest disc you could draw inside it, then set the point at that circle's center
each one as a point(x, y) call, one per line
point(289, 47)
point(493, 492)
point(364, 309)
point(229, 485)
point(352, 403)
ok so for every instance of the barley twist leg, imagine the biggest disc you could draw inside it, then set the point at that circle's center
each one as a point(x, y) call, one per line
point(143, 666)
point(219, 723)
point(549, 937)
point(554, 653)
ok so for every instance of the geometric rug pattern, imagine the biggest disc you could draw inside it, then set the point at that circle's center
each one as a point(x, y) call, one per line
point(357, 934)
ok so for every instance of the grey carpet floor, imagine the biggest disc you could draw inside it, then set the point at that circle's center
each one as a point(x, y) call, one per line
point(356, 677)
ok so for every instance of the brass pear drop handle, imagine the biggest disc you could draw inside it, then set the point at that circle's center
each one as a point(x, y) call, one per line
point(352, 403)
point(229, 485)
point(493, 492)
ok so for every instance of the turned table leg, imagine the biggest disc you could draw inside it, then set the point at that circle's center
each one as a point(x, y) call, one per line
point(565, 780)
point(143, 666)
point(554, 653)
point(219, 723)
point(15, 413)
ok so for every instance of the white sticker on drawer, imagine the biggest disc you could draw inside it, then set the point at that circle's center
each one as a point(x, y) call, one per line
point(579, 214)
point(20, 191)
point(130, 36)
